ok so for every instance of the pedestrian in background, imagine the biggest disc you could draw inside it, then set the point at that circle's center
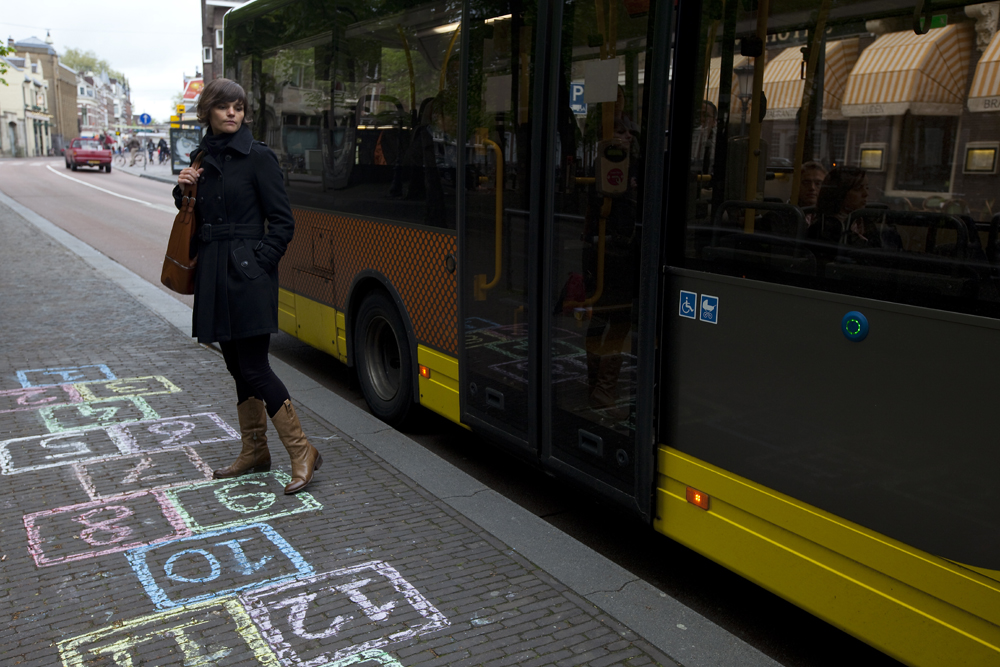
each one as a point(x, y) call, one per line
point(134, 146)
point(240, 184)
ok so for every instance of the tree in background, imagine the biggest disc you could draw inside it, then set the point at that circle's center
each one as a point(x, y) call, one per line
point(83, 61)
point(4, 50)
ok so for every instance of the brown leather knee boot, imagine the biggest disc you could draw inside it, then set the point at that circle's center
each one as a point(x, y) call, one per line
point(254, 457)
point(305, 458)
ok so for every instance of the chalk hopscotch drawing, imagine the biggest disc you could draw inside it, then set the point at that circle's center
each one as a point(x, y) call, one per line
point(375, 656)
point(367, 599)
point(102, 527)
point(246, 499)
point(28, 454)
point(114, 476)
point(124, 644)
point(32, 398)
point(62, 395)
point(99, 413)
point(199, 543)
point(233, 559)
point(44, 377)
point(146, 385)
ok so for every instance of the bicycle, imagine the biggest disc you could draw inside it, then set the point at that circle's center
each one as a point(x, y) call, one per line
point(123, 159)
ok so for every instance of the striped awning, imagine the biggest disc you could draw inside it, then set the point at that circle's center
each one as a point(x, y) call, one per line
point(715, 76)
point(926, 75)
point(985, 93)
point(784, 79)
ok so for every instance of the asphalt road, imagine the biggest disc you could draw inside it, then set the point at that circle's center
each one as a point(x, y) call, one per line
point(128, 219)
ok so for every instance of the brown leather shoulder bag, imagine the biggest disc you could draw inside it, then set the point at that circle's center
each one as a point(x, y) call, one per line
point(178, 265)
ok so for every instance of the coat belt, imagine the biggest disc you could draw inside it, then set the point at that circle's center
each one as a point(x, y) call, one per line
point(209, 233)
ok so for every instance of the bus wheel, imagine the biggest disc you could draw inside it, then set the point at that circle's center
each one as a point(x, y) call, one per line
point(382, 359)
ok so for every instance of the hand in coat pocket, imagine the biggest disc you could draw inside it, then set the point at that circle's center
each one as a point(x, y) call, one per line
point(247, 262)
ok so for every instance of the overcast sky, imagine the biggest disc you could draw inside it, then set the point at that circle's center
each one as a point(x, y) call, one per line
point(153, 42)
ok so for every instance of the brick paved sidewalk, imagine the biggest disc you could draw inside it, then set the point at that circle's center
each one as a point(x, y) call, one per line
point(118, 548)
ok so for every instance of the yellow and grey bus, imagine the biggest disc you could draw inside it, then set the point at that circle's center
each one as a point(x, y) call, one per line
point(732, 264)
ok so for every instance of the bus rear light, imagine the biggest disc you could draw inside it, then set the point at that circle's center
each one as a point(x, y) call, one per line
point(696, 497)
point(425, 372)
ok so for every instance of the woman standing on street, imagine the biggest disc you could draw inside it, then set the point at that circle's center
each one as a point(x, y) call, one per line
point(240, 185)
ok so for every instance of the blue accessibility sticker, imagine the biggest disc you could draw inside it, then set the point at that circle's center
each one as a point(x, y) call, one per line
point(689, 305)
point(709, 309)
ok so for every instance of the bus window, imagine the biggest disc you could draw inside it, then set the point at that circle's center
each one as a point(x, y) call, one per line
point(360, 106)
point(890, 119)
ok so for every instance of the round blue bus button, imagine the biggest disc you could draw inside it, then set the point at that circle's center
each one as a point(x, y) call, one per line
point(855, 326)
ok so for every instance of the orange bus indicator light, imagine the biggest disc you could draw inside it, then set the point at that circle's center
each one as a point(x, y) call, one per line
point(696, 497)
point(425, 372)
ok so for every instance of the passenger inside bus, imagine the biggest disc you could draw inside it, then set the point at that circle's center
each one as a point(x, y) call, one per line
point(612, 311)
point(811, 180)
point(845, 190)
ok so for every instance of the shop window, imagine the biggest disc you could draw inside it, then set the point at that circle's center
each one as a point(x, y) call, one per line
point(926, 149)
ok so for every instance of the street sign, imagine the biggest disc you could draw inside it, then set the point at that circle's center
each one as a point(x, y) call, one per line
point(576, 103)
point(145, 119)
point(180, 110)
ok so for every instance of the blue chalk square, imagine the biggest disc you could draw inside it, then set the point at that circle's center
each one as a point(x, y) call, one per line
point(48, 377)
point(211, 565)
point(709, 309)
point(688, 306)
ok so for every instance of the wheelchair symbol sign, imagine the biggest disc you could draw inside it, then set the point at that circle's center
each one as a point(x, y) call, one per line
point(688, 305)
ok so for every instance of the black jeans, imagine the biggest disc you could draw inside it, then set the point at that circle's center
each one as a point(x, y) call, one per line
point(246, 359)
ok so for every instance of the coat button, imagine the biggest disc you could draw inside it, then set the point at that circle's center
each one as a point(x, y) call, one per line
point(220, 219)
point(228, 158)
point(244, 263)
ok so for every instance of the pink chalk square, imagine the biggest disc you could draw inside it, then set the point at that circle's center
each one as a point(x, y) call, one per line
point(102, 527)
point(33, 398)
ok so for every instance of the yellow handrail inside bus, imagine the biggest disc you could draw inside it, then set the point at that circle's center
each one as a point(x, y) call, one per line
point(602, 227)
point(479, 285)
point(409, 64)
point(447, 57)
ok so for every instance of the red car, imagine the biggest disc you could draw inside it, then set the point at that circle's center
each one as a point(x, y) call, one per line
point(88, 153)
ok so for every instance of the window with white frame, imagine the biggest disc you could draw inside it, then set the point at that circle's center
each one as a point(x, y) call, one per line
point(206, 55)
point(218, 38)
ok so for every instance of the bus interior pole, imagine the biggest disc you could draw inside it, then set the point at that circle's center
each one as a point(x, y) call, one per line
point(725, 101)
point(815, 44)
point(753, 143)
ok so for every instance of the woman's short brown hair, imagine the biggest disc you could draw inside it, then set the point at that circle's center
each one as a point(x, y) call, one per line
point(221, 91)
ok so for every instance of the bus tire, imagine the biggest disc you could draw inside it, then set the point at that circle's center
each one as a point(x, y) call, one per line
point(382, 359)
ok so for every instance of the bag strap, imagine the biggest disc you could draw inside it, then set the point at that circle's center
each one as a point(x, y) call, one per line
point(190, 193)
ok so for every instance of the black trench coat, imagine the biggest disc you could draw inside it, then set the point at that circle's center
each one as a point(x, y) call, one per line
point(236, 282)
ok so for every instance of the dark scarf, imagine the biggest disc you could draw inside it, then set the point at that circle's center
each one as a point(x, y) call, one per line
point(215, 144)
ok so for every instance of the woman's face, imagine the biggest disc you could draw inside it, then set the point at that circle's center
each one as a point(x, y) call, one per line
point(856, 197)
point(226, 117)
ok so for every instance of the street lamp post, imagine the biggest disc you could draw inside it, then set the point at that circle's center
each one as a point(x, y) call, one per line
point(744, 75)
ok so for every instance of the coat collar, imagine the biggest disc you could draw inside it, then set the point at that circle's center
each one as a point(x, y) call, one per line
point(240, 143)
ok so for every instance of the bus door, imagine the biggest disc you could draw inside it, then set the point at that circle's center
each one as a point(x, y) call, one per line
point(593, 239)
point(553, 232)
point(499, 258)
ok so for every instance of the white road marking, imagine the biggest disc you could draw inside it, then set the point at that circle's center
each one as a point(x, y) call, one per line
point(158, 207)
